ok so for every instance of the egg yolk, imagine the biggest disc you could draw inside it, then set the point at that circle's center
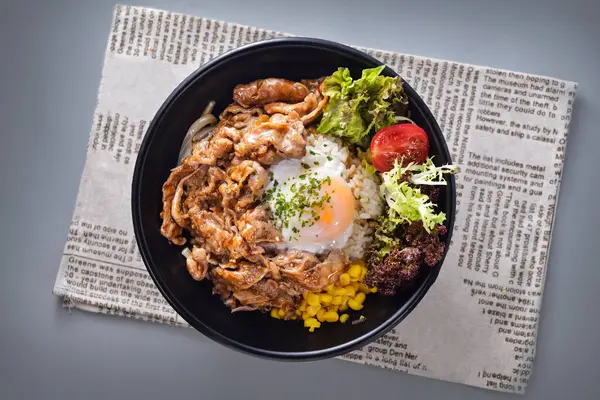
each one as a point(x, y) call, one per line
point(334, 218)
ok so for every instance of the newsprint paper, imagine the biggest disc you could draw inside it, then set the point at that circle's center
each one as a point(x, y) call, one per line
point(507, 131)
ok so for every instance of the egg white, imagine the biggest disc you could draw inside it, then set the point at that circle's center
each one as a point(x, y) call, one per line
point(312, 238)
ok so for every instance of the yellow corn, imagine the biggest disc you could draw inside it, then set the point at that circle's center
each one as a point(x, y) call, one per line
point(364, 288)
point(344, 279)
point(321, 314)
point(353, 304)
point(325, 298)
point(275, 313)
point(363, 272)
point(354, 271)
point(312, 323)
point(302, 306)
point(331, 303)
point(350, 291)
point(294, 317)
point(311, 311)
point(281, 312)
point(331, 316)
point(313, 299)
point(360, 297)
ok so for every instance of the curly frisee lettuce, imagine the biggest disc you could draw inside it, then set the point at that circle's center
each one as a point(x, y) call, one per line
point(428, 174)
point(358, 107)
point(403, 189)
point(407, 203)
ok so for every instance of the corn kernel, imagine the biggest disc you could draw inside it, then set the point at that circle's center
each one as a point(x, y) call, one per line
point(321, 314)
point(334, 308)
point(344, 279)
point(363, 272)
point(298, 313)
point(275, 313)
point(313, 299)
point(312, 310)
point(329, 288)
point(336, 301)
point(353, 304)
point(343, 307)
point(281, 312)
point(350, 291)
point(294, 317)
point(373, 289)
point(354, 271)
point(305, 295)
point(302, 306)
point(331, 316)
point(344, 318)
point(325, 298)
point(340, 291)
point(305, 316)
point(311, 329)
point(360, 297)
point(312, 323)
point(364, 289)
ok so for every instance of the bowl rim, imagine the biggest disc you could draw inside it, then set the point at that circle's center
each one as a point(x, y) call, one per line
point(171, 297)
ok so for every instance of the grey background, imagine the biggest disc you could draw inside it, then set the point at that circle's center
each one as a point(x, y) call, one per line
point(51, 60)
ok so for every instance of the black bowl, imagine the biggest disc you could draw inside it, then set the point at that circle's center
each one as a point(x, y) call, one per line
point(254, 332)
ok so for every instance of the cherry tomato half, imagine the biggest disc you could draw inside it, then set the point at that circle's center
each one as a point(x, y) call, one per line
point(398, 141)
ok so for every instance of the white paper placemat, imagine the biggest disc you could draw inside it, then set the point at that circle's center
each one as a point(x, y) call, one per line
point(478, 323)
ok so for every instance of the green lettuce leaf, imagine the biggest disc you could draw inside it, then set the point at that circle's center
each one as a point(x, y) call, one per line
point(359, 107)
point(366, 162)
point(385, 238)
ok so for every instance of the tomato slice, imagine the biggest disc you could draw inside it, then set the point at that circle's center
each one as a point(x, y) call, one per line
point(398, 141)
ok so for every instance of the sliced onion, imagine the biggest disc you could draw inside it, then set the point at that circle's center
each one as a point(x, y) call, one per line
point(197, 127)
point(404, 119)
point(209, 108)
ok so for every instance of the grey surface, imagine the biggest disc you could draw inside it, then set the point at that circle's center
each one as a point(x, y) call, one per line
point(50, 70)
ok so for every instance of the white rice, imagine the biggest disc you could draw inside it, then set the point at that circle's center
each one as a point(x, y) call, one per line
point(365, 188)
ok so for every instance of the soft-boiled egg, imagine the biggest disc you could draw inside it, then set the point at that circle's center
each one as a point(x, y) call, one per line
point(311, 203)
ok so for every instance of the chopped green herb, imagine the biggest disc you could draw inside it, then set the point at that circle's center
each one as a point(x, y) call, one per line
point(305, 166)
point(312, 153)
point(301, 203)
point(329, 158)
